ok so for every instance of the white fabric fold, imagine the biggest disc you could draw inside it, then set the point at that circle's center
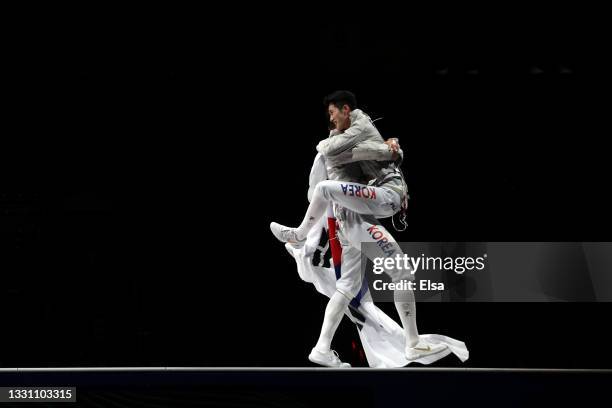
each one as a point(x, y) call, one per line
point(382, 337)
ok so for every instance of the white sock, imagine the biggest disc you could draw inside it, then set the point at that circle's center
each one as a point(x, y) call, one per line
point(316, 209)
point(406, 308)
point(333, 315)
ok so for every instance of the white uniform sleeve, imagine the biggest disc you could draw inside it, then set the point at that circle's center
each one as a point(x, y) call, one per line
point(345, 140)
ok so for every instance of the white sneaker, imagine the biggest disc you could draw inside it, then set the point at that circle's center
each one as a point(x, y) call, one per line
point(328, 359)
point(286, 234)
point(422, 349)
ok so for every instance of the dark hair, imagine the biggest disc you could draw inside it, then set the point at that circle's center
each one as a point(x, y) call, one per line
point(341, 98)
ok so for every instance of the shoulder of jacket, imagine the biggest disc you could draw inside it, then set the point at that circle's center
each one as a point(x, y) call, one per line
point(357, 114)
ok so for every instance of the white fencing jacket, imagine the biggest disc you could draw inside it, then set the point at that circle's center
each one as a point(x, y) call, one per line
point(382, 338)
point(359, 154)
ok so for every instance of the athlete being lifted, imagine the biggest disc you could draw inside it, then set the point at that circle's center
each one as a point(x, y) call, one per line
point(364, 184)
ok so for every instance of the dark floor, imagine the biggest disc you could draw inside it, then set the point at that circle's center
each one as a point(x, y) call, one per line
point(325, 387)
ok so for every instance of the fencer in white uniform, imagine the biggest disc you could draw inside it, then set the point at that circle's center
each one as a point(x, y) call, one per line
point(364, 183)
point(374, 187)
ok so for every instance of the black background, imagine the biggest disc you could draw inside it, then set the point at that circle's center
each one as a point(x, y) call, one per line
point(153, 152)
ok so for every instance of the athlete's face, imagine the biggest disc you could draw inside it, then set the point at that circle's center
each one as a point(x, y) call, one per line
point(339, 117)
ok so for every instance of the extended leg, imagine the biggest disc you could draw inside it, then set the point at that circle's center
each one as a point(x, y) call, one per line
point(359, 229)
point(358, 198)
point(333, 315)
point(347, 286)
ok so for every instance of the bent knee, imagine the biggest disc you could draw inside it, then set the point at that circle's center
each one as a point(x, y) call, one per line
point(324, 187)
